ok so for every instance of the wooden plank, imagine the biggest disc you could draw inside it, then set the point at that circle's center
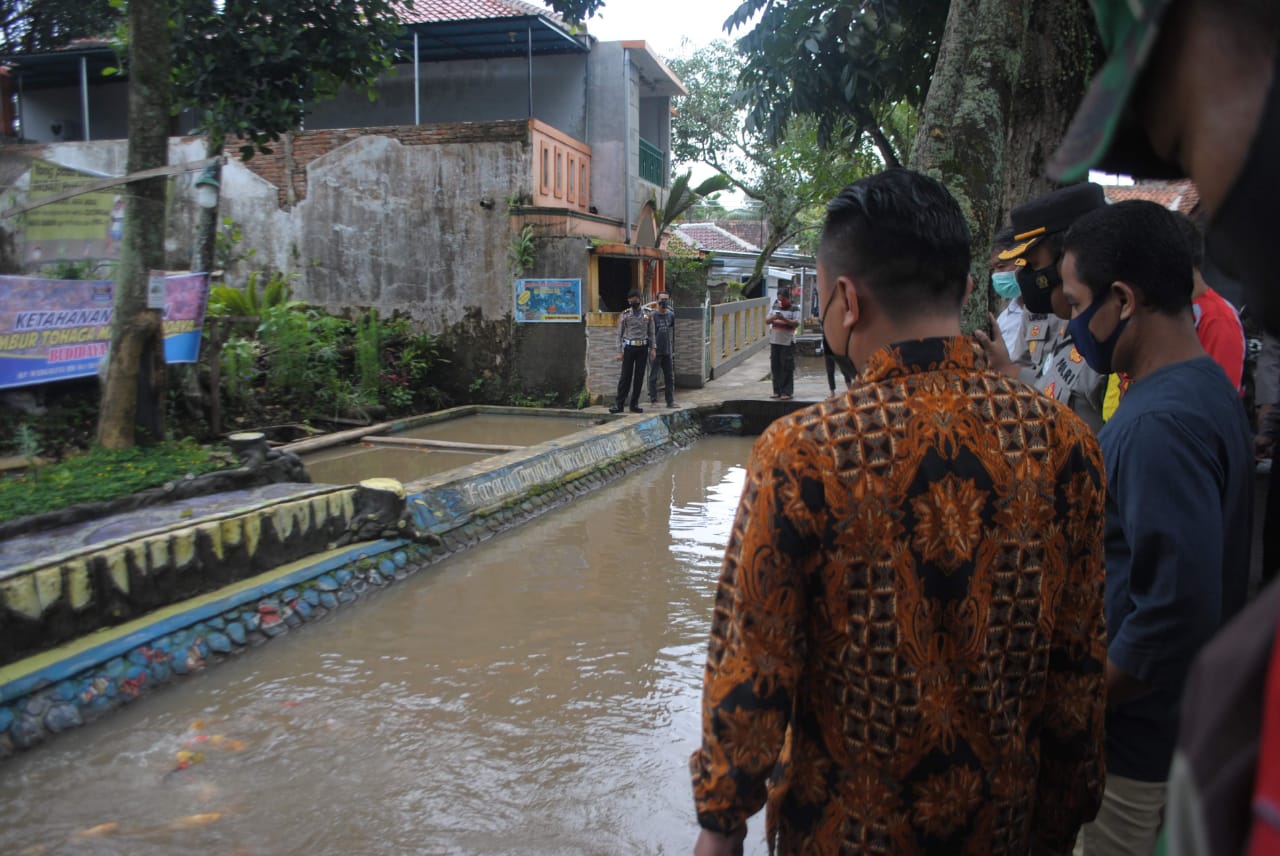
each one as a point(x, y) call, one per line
point(450, 445)
point(103, 184)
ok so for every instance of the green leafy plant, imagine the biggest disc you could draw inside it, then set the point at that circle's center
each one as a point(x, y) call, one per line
point(369, 353)
point(523, 251)
point(247, 302)
point(239, 368)
point(226, 245)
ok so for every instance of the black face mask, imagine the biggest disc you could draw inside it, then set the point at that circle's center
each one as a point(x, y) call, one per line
point(1239, 235)
point(664, 303)
point(1037, 288)
point(635, 304)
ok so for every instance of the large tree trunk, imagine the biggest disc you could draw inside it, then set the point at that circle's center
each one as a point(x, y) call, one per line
point(1065, 49)
point(133, 394)
point(964, 124)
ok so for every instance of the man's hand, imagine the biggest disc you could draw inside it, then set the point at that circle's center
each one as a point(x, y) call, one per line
point(997, 353)
point(714, 844)
point(1262, 445)
point(653, 352)
point(619, 356)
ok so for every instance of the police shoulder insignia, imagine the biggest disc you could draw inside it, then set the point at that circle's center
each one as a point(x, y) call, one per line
point(1035, 332)
point(1075, 355)
point(1051, 388)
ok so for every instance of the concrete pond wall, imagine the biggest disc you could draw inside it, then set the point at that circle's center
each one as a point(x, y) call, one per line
point(63, 687)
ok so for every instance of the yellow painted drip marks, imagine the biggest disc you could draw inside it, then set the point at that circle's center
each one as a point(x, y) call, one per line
point(79, 586)
point(282, 518)
point(159, 548)
point(319, 510)
point(252, 533)
point(20, 596)
point(184, 548)
point(118, 568)
point(48, 586)
point(213, 532)
point(138, 552)
point(232, 531)
point(302, 508)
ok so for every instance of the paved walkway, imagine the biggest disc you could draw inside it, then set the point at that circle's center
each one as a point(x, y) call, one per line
point(750, 380)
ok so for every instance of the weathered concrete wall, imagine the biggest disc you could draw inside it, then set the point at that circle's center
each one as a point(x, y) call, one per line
point(470, 91)
point(409, 220)
point(690, 350)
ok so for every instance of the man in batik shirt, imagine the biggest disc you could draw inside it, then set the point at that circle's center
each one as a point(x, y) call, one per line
point(907, 649)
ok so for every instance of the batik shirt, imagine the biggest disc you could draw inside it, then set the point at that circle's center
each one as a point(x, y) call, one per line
point(908, 630)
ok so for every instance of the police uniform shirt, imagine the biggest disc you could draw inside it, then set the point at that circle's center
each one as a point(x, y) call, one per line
point(1064, 375)
point(635, 327)
point(1037, 331)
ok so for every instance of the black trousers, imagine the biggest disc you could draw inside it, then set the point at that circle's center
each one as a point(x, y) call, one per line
point(782, 366)
point(663, 362)
point(632, 380)
point(1271, 524)
point(831, 371)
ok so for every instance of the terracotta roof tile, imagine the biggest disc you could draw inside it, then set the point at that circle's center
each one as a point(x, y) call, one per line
point(430, 11)
point(710, 237)
point(1175, 195)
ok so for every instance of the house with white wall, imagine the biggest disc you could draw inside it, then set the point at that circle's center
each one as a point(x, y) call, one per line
point(498, 116)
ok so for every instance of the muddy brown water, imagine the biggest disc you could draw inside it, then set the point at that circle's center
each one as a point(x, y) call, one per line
point(354, 462)
point(537, 694)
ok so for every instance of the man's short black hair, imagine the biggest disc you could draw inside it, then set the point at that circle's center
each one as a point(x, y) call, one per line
point(633, 293)
point(1138, 243)
point(1003, 239)
point(903, 236)
point(1194, 237)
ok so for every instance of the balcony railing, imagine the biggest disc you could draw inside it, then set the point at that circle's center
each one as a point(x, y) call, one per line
point(651, 158)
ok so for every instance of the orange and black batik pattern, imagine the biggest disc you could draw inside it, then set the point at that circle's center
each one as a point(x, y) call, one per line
point(907, 650)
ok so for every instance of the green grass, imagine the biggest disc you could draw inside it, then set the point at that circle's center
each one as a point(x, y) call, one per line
point(103, 474)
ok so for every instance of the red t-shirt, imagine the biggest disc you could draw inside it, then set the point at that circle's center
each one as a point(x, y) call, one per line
point(1221, 335)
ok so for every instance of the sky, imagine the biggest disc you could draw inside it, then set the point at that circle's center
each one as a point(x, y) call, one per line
point(664, 23)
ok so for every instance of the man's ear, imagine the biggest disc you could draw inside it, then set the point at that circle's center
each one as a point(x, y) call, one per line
point(852, 305)
point(968, 289)
point(1126, 298)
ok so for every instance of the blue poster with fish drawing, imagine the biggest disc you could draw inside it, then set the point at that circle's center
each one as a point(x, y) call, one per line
point(548, 300)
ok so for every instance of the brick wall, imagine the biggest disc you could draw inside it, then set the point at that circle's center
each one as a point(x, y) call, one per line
point(690, 347)
point(289, 157)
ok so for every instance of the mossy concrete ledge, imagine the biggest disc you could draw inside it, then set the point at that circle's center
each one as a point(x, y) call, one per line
point(66, 686)
point(51, 599)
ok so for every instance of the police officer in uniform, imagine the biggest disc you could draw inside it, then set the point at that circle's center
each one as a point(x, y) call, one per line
point(1052, 363)
point(635, 348)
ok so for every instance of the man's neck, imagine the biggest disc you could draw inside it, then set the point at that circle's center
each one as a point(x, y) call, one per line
point(1199, 286)
point(943, 327)
point(1166, 339)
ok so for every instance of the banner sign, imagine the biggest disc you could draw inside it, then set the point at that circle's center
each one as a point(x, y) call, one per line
point(548, 300)
point(58, 329)
point(83, 227)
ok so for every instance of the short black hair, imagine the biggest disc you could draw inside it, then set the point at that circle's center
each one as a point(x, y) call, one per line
point(1136, 242)
point(1193, 236)
point(903, 235)
point(1003, 239)
point(633, 293)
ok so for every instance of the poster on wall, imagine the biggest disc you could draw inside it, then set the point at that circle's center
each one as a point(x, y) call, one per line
point(548, 300)
point(59, 329)
point(84, 227)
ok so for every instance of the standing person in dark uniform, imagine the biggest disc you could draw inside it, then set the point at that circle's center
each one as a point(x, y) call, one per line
point(664, 344)
point(635, 346)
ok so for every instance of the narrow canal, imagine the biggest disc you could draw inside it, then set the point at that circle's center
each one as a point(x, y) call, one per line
point(537, 694)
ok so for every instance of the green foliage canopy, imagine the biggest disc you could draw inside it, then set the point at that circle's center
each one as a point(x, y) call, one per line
point(837, 61)
point(251, 69)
